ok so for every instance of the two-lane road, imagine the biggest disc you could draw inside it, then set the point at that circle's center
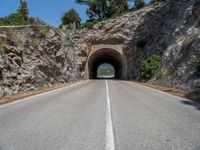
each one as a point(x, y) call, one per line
point(101, 115)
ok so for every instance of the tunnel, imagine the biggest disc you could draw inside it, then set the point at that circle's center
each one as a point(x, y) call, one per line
point(106, 56)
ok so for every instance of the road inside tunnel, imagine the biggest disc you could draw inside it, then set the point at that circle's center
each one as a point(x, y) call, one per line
point(106, 56)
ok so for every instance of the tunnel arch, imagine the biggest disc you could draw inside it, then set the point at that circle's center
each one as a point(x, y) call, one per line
point(109, 56)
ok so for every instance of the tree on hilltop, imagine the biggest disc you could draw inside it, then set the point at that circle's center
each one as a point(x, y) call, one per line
point(106, 8)
point(20, 17)
point(71, 18)
point(23, 10)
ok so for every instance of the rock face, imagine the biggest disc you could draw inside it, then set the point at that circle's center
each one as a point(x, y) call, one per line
point(31, 57)
point(170, 29)
point(35, 56)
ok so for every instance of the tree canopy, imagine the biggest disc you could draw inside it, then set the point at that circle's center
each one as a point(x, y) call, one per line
point(70, 17)
point(21, 17)
point(23, 10)
point(106, 8)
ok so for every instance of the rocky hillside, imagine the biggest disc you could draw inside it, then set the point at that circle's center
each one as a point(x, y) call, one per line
point(170, 29)
point(34, 56)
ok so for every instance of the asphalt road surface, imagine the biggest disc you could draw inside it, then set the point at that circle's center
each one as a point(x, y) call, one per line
point(101, 115)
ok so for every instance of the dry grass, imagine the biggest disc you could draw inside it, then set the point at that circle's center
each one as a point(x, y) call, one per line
point(2, 42)
point(25, 94)
point(195, 96)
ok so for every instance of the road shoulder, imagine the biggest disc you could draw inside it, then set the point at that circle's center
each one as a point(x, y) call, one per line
point(41, 90)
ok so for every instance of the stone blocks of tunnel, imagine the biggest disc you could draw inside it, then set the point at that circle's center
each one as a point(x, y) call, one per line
point(106, 53)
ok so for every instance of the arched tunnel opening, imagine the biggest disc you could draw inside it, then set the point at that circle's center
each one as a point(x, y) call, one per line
point(106, 56)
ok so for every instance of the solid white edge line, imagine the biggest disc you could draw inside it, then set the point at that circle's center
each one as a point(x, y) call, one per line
point(40, 94)
point(110, 144)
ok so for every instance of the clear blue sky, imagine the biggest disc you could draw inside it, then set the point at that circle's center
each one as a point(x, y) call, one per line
point(48, 10)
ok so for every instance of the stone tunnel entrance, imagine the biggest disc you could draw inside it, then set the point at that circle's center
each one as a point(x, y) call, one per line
point(106, 56)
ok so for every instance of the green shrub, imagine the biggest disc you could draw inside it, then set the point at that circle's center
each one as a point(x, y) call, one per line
point(89, 24)
point(149, 66)
point(198, 67)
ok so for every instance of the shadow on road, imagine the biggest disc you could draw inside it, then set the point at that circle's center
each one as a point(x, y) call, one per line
point(191, 103)
point(195, 96)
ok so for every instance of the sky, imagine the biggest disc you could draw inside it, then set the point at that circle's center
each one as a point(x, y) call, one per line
point(48, 10)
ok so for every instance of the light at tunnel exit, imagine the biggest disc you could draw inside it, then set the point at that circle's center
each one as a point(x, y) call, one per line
point(105, 71)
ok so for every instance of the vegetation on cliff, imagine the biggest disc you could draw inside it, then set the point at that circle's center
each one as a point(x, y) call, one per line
point(100, 9)
point(97, 10)
point(149, 66)
point(71, 18)
point(21, 17)
point(89, 24)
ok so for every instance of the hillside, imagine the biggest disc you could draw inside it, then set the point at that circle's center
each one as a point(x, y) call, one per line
point(170, 30)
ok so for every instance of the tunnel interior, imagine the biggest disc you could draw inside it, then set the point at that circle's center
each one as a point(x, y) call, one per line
point(105, 56)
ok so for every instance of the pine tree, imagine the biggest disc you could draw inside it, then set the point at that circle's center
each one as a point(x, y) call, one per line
point(104, 8)
point(21, 17)
point(23, 11)
point(71, 17)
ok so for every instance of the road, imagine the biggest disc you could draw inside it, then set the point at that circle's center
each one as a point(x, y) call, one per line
point(101, 115)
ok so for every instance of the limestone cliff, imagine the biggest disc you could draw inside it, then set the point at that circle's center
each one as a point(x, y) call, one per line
point(35, 56)
point(170, 29)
